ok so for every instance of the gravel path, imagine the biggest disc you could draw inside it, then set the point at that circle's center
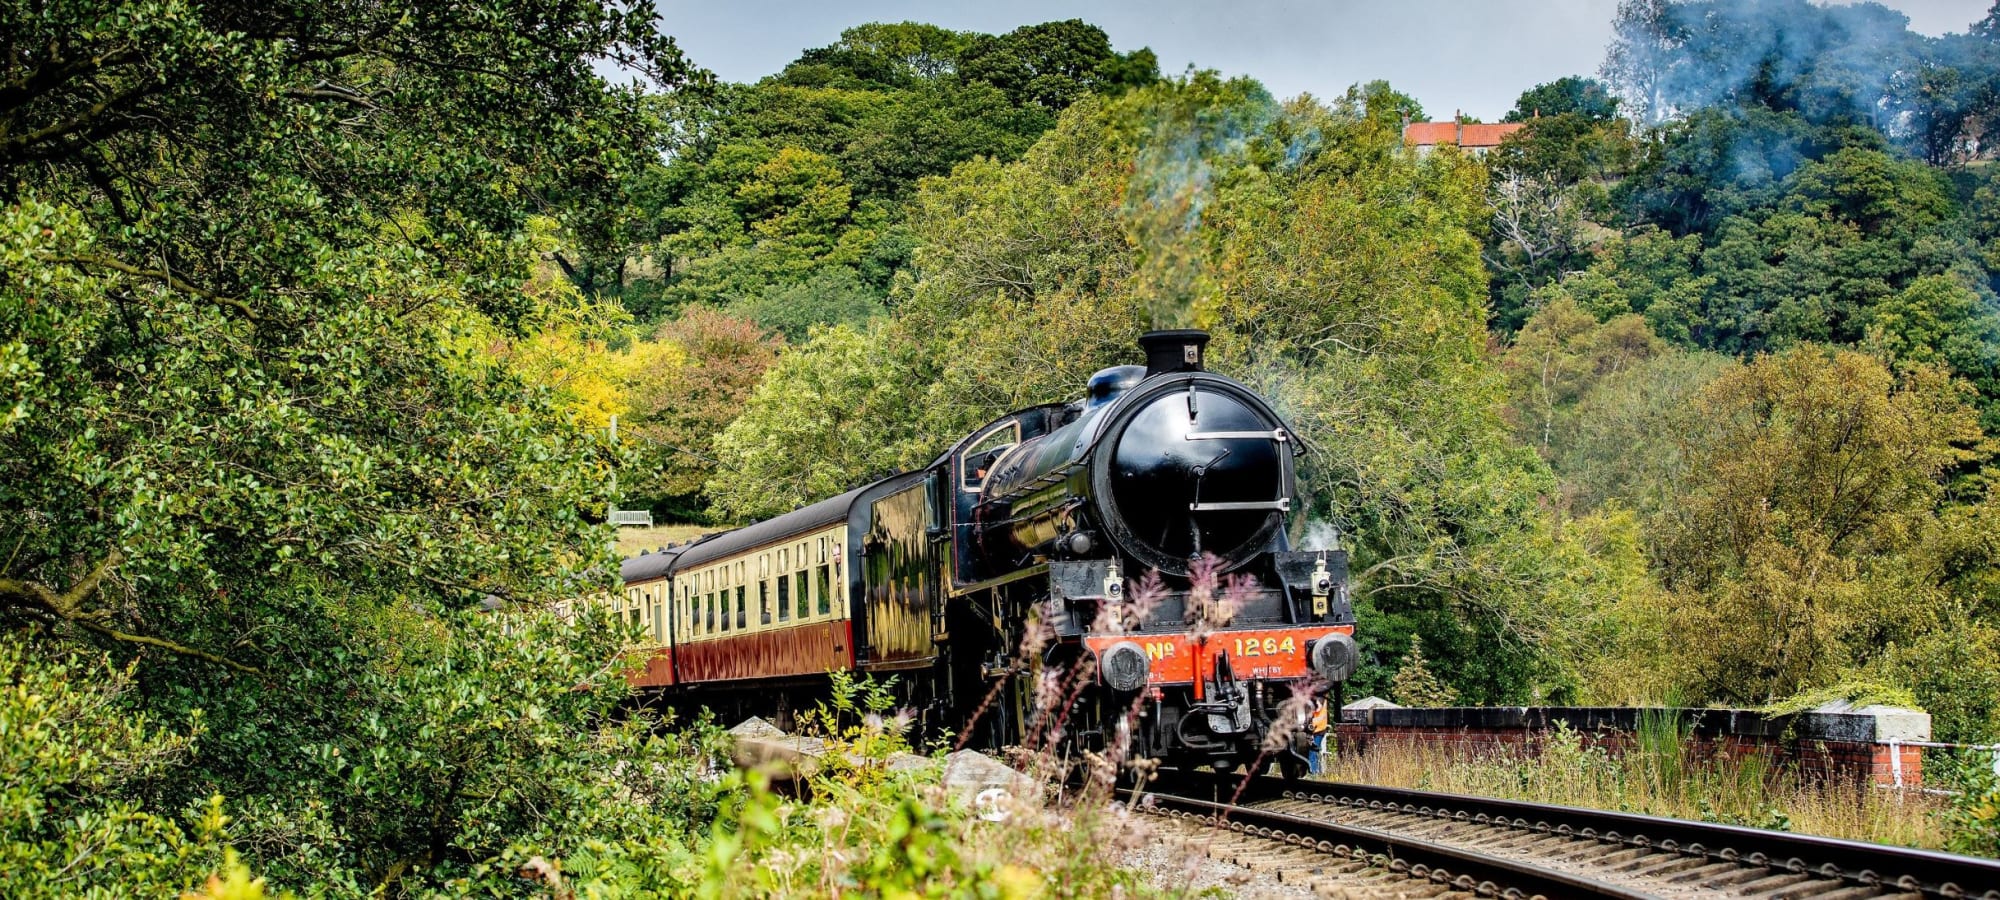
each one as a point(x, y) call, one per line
point(1188, 860)
point(1178, 859)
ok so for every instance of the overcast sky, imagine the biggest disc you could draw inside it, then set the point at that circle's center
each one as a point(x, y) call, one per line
point(1474, 55)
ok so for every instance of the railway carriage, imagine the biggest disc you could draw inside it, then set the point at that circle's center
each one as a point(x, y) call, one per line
point(1040, 519)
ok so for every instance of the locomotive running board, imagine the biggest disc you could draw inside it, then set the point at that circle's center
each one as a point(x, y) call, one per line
point(960, 590)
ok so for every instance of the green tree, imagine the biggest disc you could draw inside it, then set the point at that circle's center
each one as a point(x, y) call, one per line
point(1716, 162)
point(830, 297)
point(1622, 442)
point(881, 55)
point(1377, 101)
point(1559, 356)
point(1575, 95)
point(342, 416)
point(255, 448)
point(73, 747)
point(1536, 239)
point(830, 415)
point(1648, 272)
point(1828, 63)
point(1939, 322)
point(1054, 64)
point(1812, 486)
point(1415, 684)
point(1569, 149)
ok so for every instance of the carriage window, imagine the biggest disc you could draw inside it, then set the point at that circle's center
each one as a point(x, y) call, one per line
point(709, 626)
point(742, 595)
point(840, 581)
point(784, 597)
point(799, 586)
point(825, 586)
point(977, 459)
point(764, 587)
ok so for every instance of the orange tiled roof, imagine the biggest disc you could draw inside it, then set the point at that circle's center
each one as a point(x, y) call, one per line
point(1428, 133)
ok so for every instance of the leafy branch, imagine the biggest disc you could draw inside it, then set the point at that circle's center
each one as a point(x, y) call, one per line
point(68, 606)
point(165, 277)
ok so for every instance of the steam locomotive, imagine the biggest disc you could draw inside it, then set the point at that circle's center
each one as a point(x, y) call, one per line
point(1091, 538)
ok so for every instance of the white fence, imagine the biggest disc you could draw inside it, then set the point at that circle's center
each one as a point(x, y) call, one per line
point(1896, 757)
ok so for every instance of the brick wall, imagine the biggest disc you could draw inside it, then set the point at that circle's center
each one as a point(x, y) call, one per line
point(1851, 746)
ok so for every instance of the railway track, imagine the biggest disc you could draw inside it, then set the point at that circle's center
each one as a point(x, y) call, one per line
point(1449, 845)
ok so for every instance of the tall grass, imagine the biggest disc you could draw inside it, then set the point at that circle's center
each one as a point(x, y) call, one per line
point(631, 539)
point(1662, 773)
point(874, 820)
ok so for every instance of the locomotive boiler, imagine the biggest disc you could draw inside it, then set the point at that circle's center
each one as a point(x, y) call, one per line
point(1132, 541)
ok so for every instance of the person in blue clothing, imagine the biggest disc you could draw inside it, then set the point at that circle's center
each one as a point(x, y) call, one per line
point(1318, 726)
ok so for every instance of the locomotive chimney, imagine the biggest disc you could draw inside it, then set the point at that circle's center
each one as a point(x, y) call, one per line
point(1173, 351)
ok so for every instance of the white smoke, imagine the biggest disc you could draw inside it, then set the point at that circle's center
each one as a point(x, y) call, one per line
point(1320, 535)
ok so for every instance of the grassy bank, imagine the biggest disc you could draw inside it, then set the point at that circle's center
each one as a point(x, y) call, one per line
point(634, 540)
point(1665, 775)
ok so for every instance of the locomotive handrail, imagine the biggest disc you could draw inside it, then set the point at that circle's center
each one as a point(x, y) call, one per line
point(1282, 504)
point(1276, 434)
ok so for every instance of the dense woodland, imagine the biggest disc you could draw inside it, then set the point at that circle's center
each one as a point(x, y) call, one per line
point(312, 319)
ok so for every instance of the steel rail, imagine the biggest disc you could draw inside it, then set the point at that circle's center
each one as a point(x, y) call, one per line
point(1466, 870)
point(1856, 862)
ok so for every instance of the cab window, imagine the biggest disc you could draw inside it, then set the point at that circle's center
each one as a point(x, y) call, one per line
point(977, 460)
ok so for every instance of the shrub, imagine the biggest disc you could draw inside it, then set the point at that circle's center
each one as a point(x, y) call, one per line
point(75, 762)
